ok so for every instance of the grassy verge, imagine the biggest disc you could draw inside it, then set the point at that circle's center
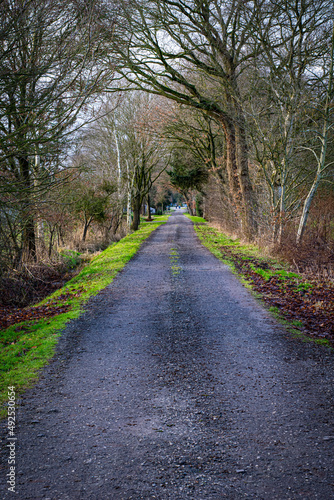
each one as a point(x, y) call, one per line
point(304, 306)
point(27, 346)
point(231, 251)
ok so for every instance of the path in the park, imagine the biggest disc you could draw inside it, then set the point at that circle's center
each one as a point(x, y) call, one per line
point(176, 384)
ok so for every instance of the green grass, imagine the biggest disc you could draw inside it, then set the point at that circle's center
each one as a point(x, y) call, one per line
point(269, 273)
point(157, 219)
point(26, 347)
point(214, 240)
point(195, 219)
point(174, 258)
point(295, 333)
point(238, 256)
point(71, 258)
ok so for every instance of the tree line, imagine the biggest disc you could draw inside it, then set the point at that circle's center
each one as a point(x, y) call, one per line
point(99, 99)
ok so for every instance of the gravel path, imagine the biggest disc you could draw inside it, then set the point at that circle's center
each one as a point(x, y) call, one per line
point(176, 384)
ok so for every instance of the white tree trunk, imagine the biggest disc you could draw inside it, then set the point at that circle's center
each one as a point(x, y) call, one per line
point(129, 189)
point(119, 170)
point(321, 165)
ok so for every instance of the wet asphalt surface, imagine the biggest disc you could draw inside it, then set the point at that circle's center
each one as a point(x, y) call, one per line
point(176, 384)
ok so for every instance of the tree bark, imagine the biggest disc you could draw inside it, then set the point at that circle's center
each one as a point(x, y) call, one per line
point(231, 164)
point(247, 193)
point(149, 208)
point(188, 202)
point(28, 235)
point(52, 233)
point(136, 213)
point(29, 238)
point(321, 161)
point(237, 168)
point(87, 224)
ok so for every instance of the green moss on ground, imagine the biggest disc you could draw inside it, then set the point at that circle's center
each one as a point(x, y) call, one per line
point(272, 282)
point(27, 346)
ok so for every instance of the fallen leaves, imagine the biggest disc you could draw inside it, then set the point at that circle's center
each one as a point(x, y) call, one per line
point(19, 293)
point(9, 317)
point(306, 304)
point(309, 306)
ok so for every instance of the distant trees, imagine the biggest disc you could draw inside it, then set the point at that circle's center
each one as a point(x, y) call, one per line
point(91, 203)
point(141, 152)
point(162, 194)
point(142, 148)
point(325, 135)
point(292, 39)
point(125, 146)
point(197, 152)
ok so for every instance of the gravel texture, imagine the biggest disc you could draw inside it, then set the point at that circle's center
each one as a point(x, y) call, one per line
point(177, 384)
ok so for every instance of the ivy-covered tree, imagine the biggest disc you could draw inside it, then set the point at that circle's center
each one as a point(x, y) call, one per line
point(187, 175)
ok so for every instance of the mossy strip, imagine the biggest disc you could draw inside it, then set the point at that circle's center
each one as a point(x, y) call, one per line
point(27, 346)
point(298, 305)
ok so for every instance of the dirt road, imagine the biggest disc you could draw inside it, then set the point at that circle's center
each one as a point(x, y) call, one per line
point(176, 384)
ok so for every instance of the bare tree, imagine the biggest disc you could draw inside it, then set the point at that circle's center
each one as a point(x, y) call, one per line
point(189, 129)
point(49, 72)
point(125, 147)
point(326, 79)
point(291, 40)
point(143, 148)
point(188, 175)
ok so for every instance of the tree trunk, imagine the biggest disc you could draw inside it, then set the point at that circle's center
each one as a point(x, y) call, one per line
point(240, 187)
point(28, 236)
point(149, 208)
point(188, 202)
point(128, 210)
point(247, 194)
point(119, 170)
point(52, 232)
point(87, 224)
point(129, 191)
point(116, 222)
point(321, 161)
point(60, 236)
point(136, 213)
point(231, 165)
point(306, 209)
